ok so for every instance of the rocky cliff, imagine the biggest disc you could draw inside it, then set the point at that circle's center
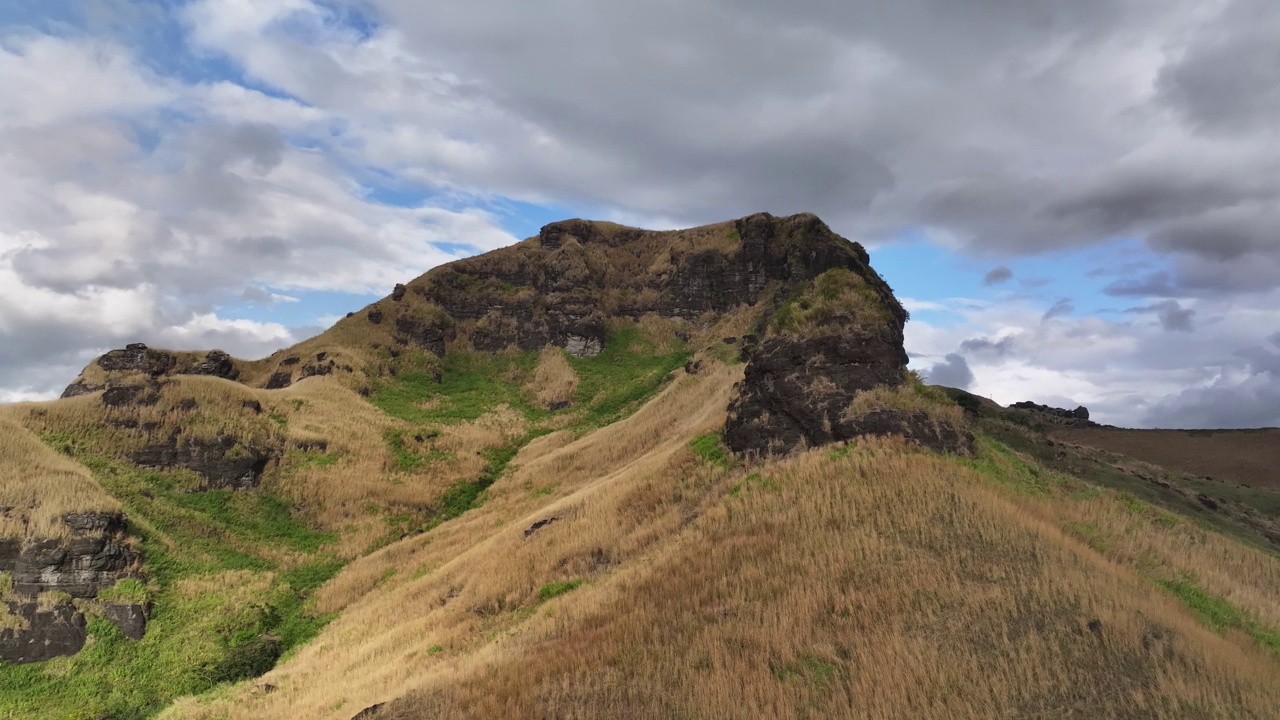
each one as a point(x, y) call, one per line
point(831, 328)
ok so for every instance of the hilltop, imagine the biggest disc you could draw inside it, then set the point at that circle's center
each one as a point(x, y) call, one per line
point(610, 472)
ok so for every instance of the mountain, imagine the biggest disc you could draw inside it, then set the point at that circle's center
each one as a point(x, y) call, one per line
point(609, 472)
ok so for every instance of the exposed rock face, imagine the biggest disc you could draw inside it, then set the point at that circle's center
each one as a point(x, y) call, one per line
point(1079, 416)
point(562, 290)
point(278, 381)
point(95, 556)
point(918, 427)
point(79, 388)
point(138, 358)
point(48, 633)
point(427, 334)
point(796, 390)
point(223, 462)
point(215, 363)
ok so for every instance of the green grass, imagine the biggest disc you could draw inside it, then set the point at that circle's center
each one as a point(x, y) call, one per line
point(627, 372)
point(558, 587)
point(610, 385)
point(194, 640)
point(409, 453)
point(125, 591)
point(711, 450)
point(1218, 614)
point(472, 385)
point(754, 481)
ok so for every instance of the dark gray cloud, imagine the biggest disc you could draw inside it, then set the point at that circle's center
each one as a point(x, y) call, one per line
point(1157, 284)
point(1172, 315)
point(1062, 307)
point(1229, 78)
point(997, 275)
point(1244, 394)
point(1275, 339)
point(993, 348)
point(952, 372)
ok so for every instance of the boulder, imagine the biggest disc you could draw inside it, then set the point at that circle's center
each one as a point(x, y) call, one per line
point(130, 618)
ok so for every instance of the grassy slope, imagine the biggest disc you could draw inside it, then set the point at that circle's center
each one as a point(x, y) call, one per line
point(868, 581)
point(38, 486)
point(231, 574)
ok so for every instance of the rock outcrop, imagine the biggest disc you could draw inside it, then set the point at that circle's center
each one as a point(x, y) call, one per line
point(224, 462)
point(47, 573)
point(839, 335)
point(95, 555)
point(1078, 417)
point(795, 390)
point(42, 633)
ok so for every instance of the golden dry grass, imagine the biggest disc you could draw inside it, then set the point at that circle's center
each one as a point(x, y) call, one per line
point(877, 582)
point(357, 489)
point(554, 380)
point(38, 486)
point(909, 396)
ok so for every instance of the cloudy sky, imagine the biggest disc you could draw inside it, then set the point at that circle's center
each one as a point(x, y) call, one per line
point(1079, 202)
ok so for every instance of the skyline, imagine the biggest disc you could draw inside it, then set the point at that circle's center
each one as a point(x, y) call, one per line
point(1078, 204)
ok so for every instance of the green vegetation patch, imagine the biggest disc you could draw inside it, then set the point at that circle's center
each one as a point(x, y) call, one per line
point(755, 481)
point(223, 606)
point(610, 385)
point(837, 294)
point(471, 385)
point(412, 450)
point(710, 449)
point(626, 373)
point(124, 592)
point(1218, 614)
point(557, 587)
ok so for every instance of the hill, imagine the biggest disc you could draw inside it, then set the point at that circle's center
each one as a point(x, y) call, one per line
point(609, 472)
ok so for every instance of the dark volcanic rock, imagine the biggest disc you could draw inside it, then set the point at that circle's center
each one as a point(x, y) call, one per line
point(95, 556)
point(375, 316)
point(918, 427)
point(278, 381)
point(318, 368)
point(427, 334)
point(1079, 416)
point(397, 294)
point(77, 389)
point(796, 390)
point(54, 632)
point(123, 395)
point(368, 713)
point(137, 358)
point(215, 363)
point(130, 618)
point(223, 461)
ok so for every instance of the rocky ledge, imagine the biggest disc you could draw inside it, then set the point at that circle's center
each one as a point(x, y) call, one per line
point(39, 618)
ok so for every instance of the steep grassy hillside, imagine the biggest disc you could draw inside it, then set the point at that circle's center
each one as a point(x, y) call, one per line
point(607, 472)
point(869, 580)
